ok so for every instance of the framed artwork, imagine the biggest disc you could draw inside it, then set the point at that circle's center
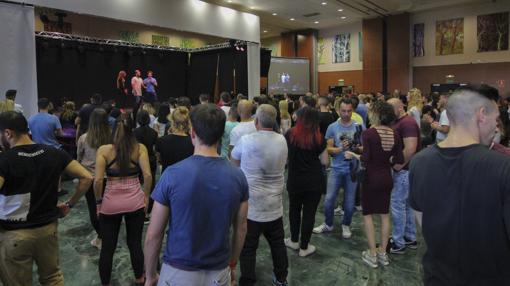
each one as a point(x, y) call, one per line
point(492, 32)
point(419, 40)
point(160, 40)
point(450, 37)
point(129, 36)
point(342, 48)
point(321, 49)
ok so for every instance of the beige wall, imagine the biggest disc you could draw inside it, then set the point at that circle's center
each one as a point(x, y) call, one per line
point(328, 35)
point(470, 55)
point(274, 44)
point(97, 27)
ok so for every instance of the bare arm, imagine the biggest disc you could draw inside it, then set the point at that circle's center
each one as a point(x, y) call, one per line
point(324, 158)
point(240, 226)
point(153, 241)
point(332, 150)
point(143, 161)
point(99, 172)
point(74, 169)
point(441, 128)
point(410, 147)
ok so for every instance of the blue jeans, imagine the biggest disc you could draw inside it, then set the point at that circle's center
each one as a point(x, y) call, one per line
point(401, 212)
point(336, 179)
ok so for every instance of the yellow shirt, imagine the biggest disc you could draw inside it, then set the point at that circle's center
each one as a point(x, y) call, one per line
point(357, 118)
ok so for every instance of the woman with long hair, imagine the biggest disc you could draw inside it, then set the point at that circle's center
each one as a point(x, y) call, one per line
point(122, 91)
point(306, 181)
point(415, 104)
point(161, 124)
point(98, 134)
point(285, 118)
point(147, 136)
point(69, 128)
point(382, 148)
point(122, 161)
point(177, 145)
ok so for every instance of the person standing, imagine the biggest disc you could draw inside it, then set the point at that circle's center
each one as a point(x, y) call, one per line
point(340, 137)
point(443, 126)
point(122, 91)
point(29, 181)
point(136, 90)
point(45, 127)
point(82, 121)
point(382, 148)
point(206, 215)
point(285, 118)
point(177, 145)
point(415, 105)
point(122, 198)
point(404, 227)
point(306, 183)
point(150, 84)
point(229, 126)
point(465, 216)
point(246, 126)
point(325, 115)
point(264, 169)
point(11, 95)
point(98, 134)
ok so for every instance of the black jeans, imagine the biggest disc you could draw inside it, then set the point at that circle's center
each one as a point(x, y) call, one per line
point(91, 204)
point(306, 201)
point(274, 234)
point(110, 226)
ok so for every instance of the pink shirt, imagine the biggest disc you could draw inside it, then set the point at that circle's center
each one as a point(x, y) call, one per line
point(136, 84)
point(122, 196)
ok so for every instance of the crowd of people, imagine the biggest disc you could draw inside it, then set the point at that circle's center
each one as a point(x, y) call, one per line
point(213, 176)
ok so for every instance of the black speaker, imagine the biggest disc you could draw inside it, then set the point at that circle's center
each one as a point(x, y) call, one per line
point(265, 62)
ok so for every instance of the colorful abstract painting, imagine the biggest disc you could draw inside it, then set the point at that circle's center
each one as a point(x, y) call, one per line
point(321, 49)
point(419, 40)
point(160, 40)
point(450, 37)
point(342, 48)
point(129, 36)
point(492, 32)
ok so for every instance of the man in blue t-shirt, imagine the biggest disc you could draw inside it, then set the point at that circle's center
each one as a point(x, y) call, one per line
point(44, 127)
point(342, 135)
point(200, 198)
point(150, 84)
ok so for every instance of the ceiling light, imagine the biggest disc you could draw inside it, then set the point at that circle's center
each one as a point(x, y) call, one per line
point(324, 3)
point(252, 7)
point(229, 1)
point(343, 17)
point(340, 10)
point(316, 22)
point(292, 19)
point(274, 14)
point(265, 31)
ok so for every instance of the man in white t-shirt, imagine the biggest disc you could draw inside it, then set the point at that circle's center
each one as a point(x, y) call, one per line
point(262, 156)
point(443, 126)
point(246, 126)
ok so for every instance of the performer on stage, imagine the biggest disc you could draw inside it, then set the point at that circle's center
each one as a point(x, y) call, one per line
point(150, 84)
point(122, 91)
point(136, 85)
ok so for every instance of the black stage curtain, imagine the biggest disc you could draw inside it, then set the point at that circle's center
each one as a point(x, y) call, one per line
point(226, 71)
point(73, 71)
point(202, 74)
point(241, 67)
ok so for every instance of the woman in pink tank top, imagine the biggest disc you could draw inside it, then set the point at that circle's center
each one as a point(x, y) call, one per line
point(123, 197)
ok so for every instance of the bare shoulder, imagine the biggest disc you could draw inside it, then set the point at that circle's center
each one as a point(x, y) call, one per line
point(105, 149)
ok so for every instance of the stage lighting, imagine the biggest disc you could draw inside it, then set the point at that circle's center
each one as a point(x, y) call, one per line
point(241, 49)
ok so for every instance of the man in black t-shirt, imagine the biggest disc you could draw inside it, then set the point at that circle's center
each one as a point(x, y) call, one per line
point(326, 117)
point(29, 179)
point(82, 121)
point(461, 191)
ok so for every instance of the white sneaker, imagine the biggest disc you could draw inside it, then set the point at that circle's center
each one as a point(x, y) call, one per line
point(369, 259)
point(359, 208)
point(382, 258)
point(290, 244)
point(339, 211)
point(346, 231)
point(96, 242)
point(305, 252)
point(323, 228)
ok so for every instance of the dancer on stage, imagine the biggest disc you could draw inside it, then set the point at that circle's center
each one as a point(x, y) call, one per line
point(150, 84)
point(121, 89)
point(136, 85)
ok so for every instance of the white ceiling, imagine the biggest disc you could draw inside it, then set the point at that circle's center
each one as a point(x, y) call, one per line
point(328, 14)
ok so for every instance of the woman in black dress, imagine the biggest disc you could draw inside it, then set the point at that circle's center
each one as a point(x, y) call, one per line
point(306, 181)
point(382, 148)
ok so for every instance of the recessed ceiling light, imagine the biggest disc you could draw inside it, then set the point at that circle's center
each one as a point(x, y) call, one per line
point(251, 7)
point(343, 17)
point(340, 10)
point(292, 19)
point(265, 31)
point(316, 22)
point(274, 14)
point(229, 1)
point(324, 3)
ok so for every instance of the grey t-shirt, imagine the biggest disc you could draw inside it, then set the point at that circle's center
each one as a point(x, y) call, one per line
point(263, 155)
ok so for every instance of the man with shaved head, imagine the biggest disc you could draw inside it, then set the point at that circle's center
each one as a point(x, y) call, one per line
point(262, 156)
point(246, 126)
point(466, 212)
point(404, 227)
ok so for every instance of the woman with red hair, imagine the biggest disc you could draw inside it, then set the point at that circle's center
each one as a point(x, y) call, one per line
point(306, 181)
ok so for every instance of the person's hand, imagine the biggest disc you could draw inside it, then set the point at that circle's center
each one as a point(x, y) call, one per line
point(349, 155)
point(435, 125)
point(63, 209)
point(233, 280)
point(151, 280)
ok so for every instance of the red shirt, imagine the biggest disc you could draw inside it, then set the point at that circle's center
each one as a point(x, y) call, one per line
point(407, 127)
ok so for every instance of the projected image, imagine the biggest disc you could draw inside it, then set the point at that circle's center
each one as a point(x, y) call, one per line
point(287, 75)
